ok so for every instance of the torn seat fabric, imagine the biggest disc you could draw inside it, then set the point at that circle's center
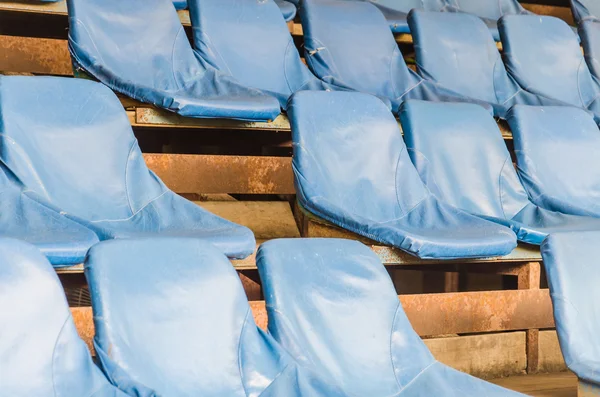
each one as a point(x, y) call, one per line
point(333, 306)
point(571, 263)
point(463, 160)
point(467, 60)
point(362, 54)
point(558, 152)
point(351, 168)
point(531, 41)
point(250, 41)
point(172, 319)
point(139, 48)
point(41, 353)
point(70, 142)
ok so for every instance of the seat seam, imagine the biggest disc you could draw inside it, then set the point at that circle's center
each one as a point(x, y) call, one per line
point(135, 213)
point(54, 351)
point(126, 177)
point(239, 349)
point(173, 58)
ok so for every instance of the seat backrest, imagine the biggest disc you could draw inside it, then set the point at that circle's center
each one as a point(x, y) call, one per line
point(461, 156)
point(332, 304)
point(349, 153)
point(69, 140)
point(589, 32)
point(180, 4)
point(490, 9)
point(543, 54)
point(150, 49)
point(172, 319)
point(251, 41)
point(571, 262)
point(585, 10)
point(407, 5)
point(558, 155)
point(466, 60)
point(350, 43)
point(40, 351)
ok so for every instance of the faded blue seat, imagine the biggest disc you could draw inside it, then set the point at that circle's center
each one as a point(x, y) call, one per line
point(139, 48)
point(333, 306)
point(462, 158)
point(70, 142)
point(467, 60)
point(558, 157)
point(250, 41)
point(288, 9)
point(490, 11)
point(584, 10)
point(40, 351)
point(571, 262)
point(180, 4)
point(361, 53)
point(351, 168)
point(589, 32)
point(532, 41)
point(172, 319)
point(396, 11)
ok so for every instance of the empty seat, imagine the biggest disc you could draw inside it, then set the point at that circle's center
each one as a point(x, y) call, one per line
point(352, 169)
point(589, 32)
point(172, 319)
point(40, 351)
point(543, 55)
point(139, 48)
point(585, 10)
point(466, 60)
point(70, 142)
point(396, 11)
point(558, 152)
point(462, 158)
point(348, 44)
point(333, 306)
point(490, 11)
point(287, 9)
point(571, 262)
point(251, 41)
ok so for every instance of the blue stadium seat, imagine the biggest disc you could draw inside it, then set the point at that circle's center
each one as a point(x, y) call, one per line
point(352, 169)
point(589, 32)
point(462, 158)
point(172, 319)
point(558, 155)
point(333, 306)
point(543, 55)
point(396, 11)
point(362, 54)
point(180, 4)
point(288, 9)
point(584, 10)
point(571, 262)
point(40, 351)
point(251, 41)
point(70, 142)
point(467, 60)
point(490, 11)
point(139, 48)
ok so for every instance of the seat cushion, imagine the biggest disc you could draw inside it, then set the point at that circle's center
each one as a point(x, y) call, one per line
point(89, 165)
point(352, 169)
point(146, 55)
point(288, 10)
point(251, 41)
point(333, 306)
point(185, 315)
point(571, 262)
point(557, 152)
point(35, 320)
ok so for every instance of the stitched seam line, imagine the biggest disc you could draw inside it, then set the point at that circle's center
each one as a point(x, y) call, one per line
point(239, 349)
point(500, 186)
point(391, 354)
point(135, 213)
point(417, 377)
point(287, 49)
point(173, 58)
point(126, 177)
point(54, 351)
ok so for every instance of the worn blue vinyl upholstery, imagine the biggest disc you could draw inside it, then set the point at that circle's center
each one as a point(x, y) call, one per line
point(466, 60)
point(571, 262)
point(352, 169)
point(333, 306)
point(250, 41)
point(40, 351)
point(462, 158)
point(348, 44)
point(558, 155)
point(396, 11)
point(139, 48)
point(70, 142)
point(172, 319)
point(589, 32)
point(543, 55)
point(180, 4)
point(288, 9)
point(584, 10)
